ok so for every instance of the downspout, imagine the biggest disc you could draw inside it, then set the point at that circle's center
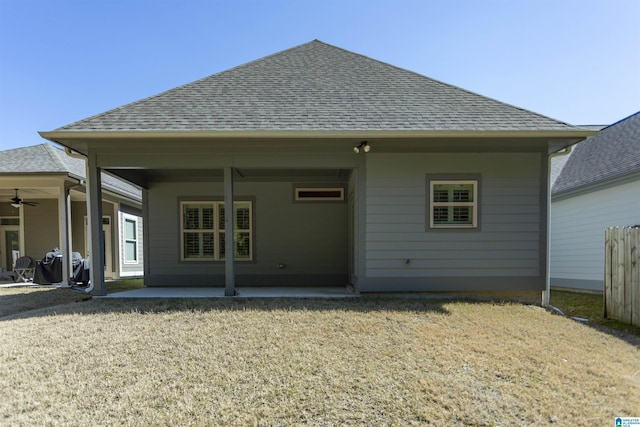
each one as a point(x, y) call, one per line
point(75, 155)
point(547, 293)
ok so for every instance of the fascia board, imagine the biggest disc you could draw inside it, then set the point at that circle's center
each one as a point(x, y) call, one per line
point(596, 186)
point(57, 136)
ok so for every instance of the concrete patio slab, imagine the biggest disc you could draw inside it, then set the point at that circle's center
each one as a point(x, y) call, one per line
point(266, 292)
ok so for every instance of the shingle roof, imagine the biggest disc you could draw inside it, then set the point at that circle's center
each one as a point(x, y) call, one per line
point(317, 87)
point(47, 159)
point(42, 158)
point(557, 164)
point(613, 153)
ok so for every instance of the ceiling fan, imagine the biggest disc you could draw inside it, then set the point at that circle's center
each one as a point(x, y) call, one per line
point(16, 202)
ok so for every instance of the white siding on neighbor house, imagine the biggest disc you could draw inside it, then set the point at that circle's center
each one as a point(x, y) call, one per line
point(507, 242)
point(577, 233)
point(130, 269)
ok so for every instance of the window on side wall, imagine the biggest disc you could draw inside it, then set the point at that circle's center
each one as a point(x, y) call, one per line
point(130, 240)
point(202, 231)
point(453, 203)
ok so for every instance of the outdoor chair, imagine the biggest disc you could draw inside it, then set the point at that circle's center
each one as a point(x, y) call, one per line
point(24, 269)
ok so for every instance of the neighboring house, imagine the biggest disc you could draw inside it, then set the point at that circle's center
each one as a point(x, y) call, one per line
point(447, 190)
point(598, 187)
point(48, 177)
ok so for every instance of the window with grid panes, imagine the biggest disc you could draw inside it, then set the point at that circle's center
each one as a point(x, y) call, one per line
point(130, 240)
point(453, 204)
point(203, 231)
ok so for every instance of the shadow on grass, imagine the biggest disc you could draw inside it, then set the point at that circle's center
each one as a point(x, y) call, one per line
point(67, 302)
point(590, 306)
point(23, 300)
point(61, 302)
point(162, 305)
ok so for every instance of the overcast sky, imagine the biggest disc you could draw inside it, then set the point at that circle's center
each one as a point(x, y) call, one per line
point(65, 60)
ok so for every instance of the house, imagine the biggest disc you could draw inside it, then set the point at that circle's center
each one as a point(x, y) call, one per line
point(598, 187)
point(52, 210)
point(326, 167)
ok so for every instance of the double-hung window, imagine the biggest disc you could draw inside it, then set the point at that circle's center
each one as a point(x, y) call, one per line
point(202, 230)
point(453, 203)
point(130, 239)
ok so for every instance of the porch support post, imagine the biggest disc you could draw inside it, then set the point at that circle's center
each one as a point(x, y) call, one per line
point(361, 220)
point(64, 213)
point(229, 247)
point(94, 215)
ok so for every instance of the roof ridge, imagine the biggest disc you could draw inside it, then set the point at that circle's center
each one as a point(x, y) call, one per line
point(620, 121)
point(53, 153)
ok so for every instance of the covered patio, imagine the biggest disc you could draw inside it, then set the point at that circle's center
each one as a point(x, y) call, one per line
point(241, 292)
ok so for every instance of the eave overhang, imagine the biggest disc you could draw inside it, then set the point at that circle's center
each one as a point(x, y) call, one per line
point(80, 140)
point(56, 136)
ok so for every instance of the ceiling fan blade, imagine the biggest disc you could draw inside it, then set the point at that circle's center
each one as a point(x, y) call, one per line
point(29, 203)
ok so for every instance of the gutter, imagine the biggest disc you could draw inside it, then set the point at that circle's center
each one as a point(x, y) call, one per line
point(547, 291)
point(84, 135)
point(75, 155)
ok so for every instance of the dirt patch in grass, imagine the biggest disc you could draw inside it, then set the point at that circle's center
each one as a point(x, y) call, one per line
point(364, 361)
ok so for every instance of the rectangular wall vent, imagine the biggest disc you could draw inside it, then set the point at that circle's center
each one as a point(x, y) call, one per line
point(315, 194)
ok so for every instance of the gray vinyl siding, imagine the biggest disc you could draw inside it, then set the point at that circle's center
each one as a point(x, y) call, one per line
point(577, 233)
point(310, 239)
point(506, 243)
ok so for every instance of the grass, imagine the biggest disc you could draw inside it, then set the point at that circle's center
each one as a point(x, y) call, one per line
point(590, 307)
point(365, 361)
point(21, 299)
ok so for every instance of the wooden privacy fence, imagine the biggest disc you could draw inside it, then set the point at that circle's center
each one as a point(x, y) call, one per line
point(622, 274)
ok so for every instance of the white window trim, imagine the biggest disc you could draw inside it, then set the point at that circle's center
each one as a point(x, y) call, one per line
point(134, 219)
point(216, 230)
point(473, 204)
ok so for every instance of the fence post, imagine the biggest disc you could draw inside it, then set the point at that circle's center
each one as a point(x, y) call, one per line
point(607, 272)
point(626, 275)
point(616, 297)
point(635, 276)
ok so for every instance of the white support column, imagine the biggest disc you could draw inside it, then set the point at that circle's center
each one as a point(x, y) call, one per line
point(229, 247)
point(94, 215)
point(64, 213)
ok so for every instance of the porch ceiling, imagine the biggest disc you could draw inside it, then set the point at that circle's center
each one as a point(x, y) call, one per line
point(34, 193)
point(148, 175)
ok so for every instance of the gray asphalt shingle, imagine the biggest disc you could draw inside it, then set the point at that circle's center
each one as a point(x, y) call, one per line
point(611, 154)
point(47, 159)
point(316, 87)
